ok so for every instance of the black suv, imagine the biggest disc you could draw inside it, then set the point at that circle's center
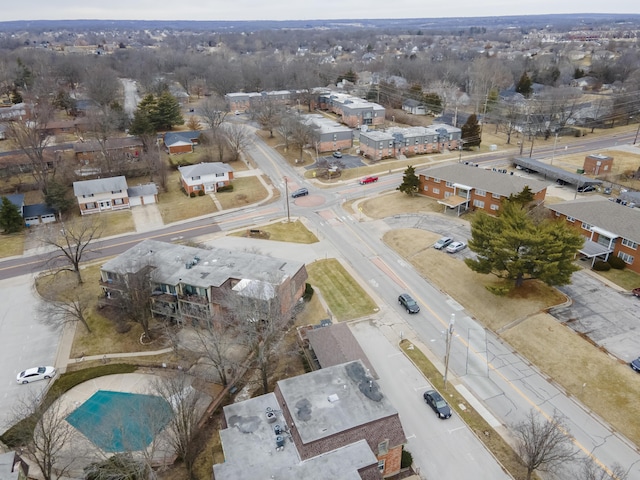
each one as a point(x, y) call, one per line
point(301, 192)
point(409, 303)
point(435, 401)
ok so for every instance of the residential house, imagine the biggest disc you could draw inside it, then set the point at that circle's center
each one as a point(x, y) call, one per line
point(12, 467)
point(609, 228)
point(396, 141)
point(330, 135)
point(205, 177)
point(143, 194)
point(36, 214)
point(414, 107)
point(181, 142)
point(192, 284)
point(463, 187)
point(331, 423)
point(87, 151)
point(101, 194)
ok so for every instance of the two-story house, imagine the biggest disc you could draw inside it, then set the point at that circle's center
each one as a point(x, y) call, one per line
point(101, 194)
point(331, 423)
point(609, 228)
point(205, 177)
point(463, 187)
point(193, 284)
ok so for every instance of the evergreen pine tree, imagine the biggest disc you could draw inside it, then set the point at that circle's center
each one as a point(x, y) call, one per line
point(10, 219)
point(410, 182)
point(471, 132)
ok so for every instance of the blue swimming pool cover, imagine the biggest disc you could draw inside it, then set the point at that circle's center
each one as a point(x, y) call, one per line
point(121, 422)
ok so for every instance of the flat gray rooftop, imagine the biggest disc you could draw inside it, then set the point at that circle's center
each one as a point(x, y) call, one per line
point(250, 449)
point(334, 399)
point(208, 267)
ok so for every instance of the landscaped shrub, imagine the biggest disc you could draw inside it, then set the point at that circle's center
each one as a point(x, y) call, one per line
point(617, 263)
point(225, 188)
point(308, 292)
point(406, 460)
point(192, 194)
point(601, 266)
point(201, 193)
point(499, 290)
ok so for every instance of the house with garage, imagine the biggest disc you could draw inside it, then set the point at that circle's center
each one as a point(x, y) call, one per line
point(36, 214)
point(127, 147)
point(101, 194)
point(459, 187)
point(414, 107)
point(191, 284)
point(331, 423)
point(609, 228)
point(205, 177)
point(143, 194)
point(181, 142)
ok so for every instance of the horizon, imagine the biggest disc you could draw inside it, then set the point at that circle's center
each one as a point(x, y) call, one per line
point(287, 10)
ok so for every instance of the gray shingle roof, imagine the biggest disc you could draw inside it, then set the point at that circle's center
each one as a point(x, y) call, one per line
point(202, 169)
point(481, 179)
point(99, 185)
point(139, 190)
point(599, 212)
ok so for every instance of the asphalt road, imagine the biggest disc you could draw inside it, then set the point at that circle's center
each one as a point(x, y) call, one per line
point(495, 375)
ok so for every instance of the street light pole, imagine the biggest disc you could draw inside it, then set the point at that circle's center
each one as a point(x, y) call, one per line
point(637, 132)
point(555, 142)
point(286, 194)
point(448, 349)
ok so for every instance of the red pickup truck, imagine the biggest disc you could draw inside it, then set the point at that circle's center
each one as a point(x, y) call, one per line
point(366, 180)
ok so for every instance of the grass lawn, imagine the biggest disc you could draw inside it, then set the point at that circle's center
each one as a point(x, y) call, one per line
point(246, 190)
point(624, 278)
point(294, 232)
point(494, 442)
point(397, 202)
point(174, 205)
point(116, 223)
point(344, 296)
point(12, 244)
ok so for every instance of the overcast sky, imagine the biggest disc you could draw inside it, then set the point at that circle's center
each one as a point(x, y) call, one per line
point(296, 9)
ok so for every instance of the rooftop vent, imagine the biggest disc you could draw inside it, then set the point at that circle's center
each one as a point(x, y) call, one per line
point(279, 441)
point(271, 415)
point(333, 398)
point(277, 429)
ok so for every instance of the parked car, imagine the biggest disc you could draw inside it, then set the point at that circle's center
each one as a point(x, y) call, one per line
point(437, 403)
point(607, 191)
point(586, 188)
point(635, 364)
point(337, 154)
point(365, 180)
point(408, 303)
point(35, 373)
point(443, 242)
point(456, 247)
point(636, 292)
point(301, 192)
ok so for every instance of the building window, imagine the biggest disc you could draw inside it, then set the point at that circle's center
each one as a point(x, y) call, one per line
point(90, 206)
point(628, 259)
point(586, 226)
point(570, 219)
point(481, 193)
point(449, 184)
point(219, 175)
point(436, 191)
point(629, 243)
point(381, 465)
point(196, 188)
point(494, 207)
point(426, 188)
point(383, 447)
point(118, 201)
point(436, 180)
point(116, 191)
point(495, 195)
point(195, 178)
point(478, 203)
point(88, 195)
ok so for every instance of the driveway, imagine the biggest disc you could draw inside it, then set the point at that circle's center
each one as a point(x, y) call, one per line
point(146, 217)
point(24, 343)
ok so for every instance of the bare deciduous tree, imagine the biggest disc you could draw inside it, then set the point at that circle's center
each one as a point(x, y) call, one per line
point(70, 242)
point(214, 112)
point(543, 444)
point(592, 471)
point(238, 139)
point(188, 405)
point(69, 307)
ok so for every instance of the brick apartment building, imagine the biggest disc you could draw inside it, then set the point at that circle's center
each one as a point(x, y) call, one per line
point(396, 141)
point(330, 135)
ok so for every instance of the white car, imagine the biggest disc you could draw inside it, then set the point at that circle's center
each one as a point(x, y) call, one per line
point(455, 247)
point(35, 373)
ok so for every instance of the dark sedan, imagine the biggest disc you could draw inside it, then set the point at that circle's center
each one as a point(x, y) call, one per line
point(635, 364)
point(437, 403)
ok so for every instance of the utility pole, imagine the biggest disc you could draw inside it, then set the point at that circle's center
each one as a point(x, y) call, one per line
point(555, 142)
point(286, 194)
point(448, 349)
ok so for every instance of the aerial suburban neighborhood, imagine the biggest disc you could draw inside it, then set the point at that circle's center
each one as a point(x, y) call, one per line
point(320, 248)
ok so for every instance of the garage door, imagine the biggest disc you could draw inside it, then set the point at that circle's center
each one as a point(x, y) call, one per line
point(149, 199)
point(133, 201)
